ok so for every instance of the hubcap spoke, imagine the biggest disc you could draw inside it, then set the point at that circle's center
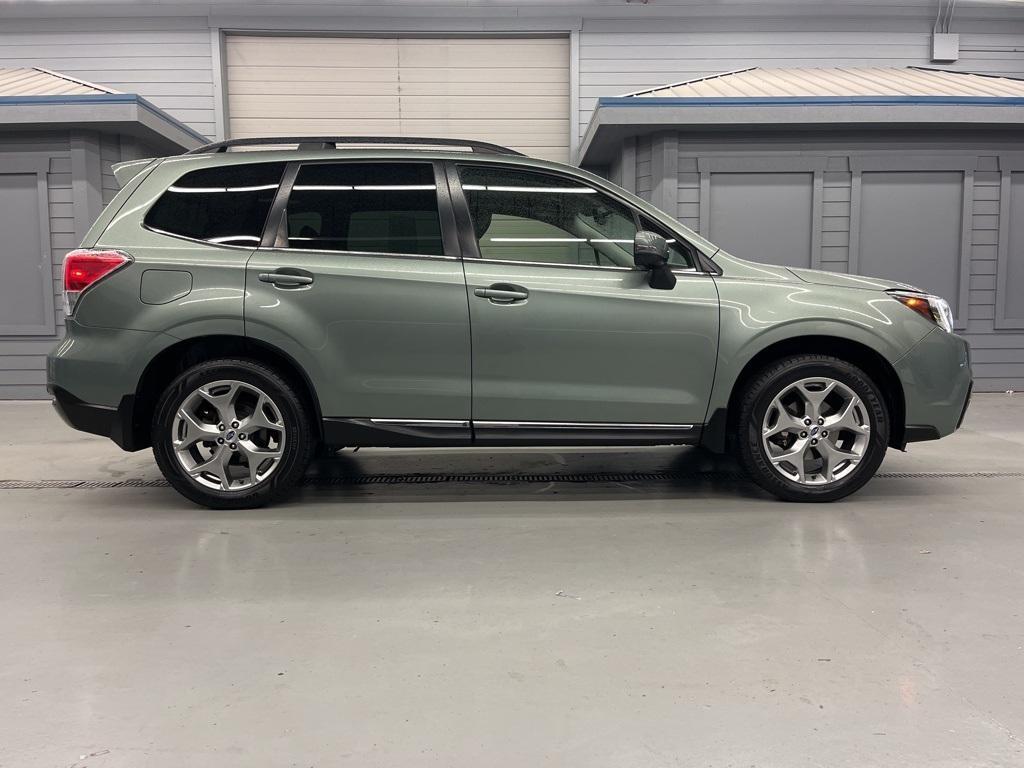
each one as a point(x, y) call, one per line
point(847, 419)
point(794, 457)
point(258, 419)
point(223, 401)
point(832, 457)
point(193, 431)
point(216, 465)
point(786, 421)
point(256, 457)
point(815, 397)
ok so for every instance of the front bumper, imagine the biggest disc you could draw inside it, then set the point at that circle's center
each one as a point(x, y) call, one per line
point(937, 385)
point(114, 422)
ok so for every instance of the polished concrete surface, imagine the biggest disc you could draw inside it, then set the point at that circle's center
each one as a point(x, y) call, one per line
point(686, 623)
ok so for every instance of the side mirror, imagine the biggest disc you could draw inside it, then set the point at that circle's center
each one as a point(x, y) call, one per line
point(650, 252)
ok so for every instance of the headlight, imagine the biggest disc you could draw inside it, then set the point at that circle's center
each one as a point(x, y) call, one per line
point(933, 308)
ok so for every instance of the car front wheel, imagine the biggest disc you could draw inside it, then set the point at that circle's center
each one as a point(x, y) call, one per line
point(812, 428)
point(231, 434)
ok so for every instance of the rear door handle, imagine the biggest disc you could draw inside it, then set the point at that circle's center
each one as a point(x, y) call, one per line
point(503, 293)
point(287, 278)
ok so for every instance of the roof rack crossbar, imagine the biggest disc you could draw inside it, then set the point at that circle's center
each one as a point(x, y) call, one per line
point(332, 142)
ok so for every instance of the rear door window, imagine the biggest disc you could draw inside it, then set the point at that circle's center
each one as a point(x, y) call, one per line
point(365, 208)
point(227, 205)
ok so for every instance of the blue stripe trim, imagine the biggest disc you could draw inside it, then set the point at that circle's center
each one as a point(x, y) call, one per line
point(805, 101)
point(101, 98)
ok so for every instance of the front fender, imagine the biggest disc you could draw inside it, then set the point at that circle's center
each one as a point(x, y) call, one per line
point(756, 315)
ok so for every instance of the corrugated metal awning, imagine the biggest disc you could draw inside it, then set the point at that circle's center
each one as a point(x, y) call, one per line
point(822, 98)
point(811, 82)
point(33, 98)
point(36, 81)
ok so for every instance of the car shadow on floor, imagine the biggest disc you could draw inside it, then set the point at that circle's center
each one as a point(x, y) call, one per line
point(452, 482)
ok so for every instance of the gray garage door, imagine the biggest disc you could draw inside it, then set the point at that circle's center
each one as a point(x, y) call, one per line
point(509, 90)
point(1012, 289)
point(26, 291)
point(910, 229)
point(763, 216)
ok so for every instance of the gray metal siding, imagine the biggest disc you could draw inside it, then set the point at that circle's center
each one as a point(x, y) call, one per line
point(166, 60)
point(835, 222)
point(766, 213)
point(23, 358)
point(853, 239)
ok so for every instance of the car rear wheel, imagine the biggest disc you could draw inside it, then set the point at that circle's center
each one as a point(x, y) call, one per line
point(812, 428)
point(231, 434)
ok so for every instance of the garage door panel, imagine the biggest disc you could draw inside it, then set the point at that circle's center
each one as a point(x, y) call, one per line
point(910, 229)
point(485, 88)
point(520, 77)
point(286, 51)
point(495, 53)
point(529, 107)
point(526, 132)
point(313, 88)
point(512, 91)
point(314, 74)
point(764, 217)
point(311, 126)
point(339, 107)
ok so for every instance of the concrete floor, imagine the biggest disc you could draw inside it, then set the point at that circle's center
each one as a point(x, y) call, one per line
point(691, 623)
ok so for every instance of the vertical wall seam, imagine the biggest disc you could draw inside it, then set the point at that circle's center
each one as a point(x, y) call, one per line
point(220, 96)
point(817, 213)
point(629, 164)
point(1001, 320)
point(963, 309)
point(853, 258)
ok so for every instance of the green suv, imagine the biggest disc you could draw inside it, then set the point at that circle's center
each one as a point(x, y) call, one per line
point(240, 311)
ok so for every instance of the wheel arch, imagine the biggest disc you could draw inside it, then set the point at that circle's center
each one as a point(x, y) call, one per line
point(177, 357)
point(721, 424)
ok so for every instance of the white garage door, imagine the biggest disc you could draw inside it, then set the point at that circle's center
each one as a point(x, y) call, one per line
point(512, 91)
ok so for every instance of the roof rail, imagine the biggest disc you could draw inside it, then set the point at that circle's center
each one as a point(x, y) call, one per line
point(332, 142)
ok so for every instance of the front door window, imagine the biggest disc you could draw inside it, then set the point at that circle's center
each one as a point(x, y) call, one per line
point(525, 216)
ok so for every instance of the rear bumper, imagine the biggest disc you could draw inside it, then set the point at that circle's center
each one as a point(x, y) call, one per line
point(89, 374)
point(114, 422)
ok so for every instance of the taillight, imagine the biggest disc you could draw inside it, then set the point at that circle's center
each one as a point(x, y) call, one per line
point(84, 267)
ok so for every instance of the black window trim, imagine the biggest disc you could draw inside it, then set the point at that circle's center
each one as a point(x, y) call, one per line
point(275, 233)
point(471, 249)
point(186, 238)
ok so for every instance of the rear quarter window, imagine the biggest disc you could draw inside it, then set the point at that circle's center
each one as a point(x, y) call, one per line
point(227, 205)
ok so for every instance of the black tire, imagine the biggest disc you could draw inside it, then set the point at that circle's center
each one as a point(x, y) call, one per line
point(756, 399)
point(298, 447)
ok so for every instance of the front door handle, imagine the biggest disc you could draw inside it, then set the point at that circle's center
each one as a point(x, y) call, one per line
point(287, 278)
point(503, 293)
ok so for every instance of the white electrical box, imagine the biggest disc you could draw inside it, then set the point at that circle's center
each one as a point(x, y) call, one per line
point(945, 46)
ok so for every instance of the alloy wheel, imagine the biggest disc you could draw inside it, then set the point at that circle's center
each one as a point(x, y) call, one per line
point(816, 431)
point(228, 435)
